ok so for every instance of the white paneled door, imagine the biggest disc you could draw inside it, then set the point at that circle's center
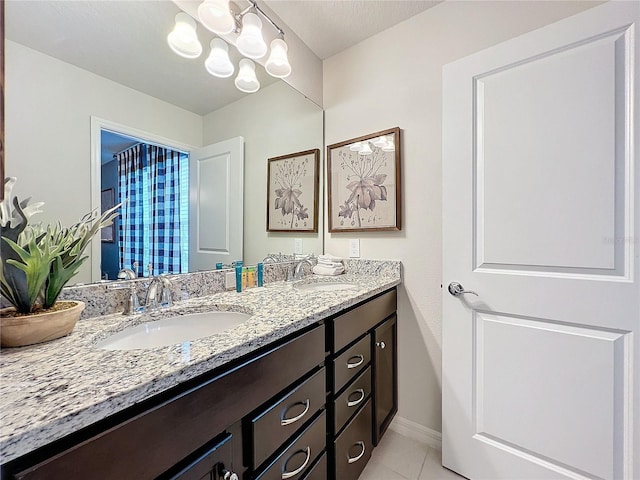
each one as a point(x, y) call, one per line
point(541, 213)
point(216, 204)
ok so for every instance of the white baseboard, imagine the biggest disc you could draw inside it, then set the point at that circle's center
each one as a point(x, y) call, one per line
point(417, 432)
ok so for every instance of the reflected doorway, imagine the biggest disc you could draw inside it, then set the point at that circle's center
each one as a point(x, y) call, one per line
point(151, 181)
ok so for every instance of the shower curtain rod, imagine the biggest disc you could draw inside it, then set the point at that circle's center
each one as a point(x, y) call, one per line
point(152, 144)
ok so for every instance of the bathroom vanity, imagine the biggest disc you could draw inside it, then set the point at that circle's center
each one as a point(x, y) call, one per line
point(303, 390)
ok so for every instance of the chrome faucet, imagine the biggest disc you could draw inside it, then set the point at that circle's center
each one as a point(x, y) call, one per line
point(128, 273)
point(297, 272)
point(272, 258)
point(162, 284)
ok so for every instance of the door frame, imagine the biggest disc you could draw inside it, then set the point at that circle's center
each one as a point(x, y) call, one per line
point(97, 125)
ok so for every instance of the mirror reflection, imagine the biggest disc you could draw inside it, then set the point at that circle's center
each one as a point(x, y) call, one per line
point(78, 72)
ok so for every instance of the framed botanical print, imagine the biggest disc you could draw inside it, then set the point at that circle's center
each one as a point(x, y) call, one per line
point(363, 183)
point(292, 192)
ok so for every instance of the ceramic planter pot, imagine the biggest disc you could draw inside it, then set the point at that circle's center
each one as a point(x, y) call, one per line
point(39, 327)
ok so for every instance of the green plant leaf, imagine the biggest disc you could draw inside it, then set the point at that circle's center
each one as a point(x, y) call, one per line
point(35, 263)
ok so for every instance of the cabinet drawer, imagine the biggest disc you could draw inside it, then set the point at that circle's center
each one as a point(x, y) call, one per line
point(353, 446)
point(352, 399)
point(348, 327)
point(273, 425)
point(351, 362)
point(299, 455)
point(318, 470)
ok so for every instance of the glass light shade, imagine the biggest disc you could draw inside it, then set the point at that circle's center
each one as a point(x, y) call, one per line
point(246, 81)
point(380, 142)
point(366, 149)
point(183, 39)
point(389, 147)
point(218, 63)
point(250, 42)
point(355, 147)
point(215, 15)
point(278, 64)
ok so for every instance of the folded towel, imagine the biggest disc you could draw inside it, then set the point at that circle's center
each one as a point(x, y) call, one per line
point(327, 263)
point(322, 270)
point(329, 257)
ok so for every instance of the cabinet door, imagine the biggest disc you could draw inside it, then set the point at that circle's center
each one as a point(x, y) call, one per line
point(386, 376)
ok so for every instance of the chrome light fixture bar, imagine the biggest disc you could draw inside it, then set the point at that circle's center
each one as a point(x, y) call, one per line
point(217, 16)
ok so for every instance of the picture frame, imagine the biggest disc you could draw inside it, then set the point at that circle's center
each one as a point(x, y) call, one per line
point(107, 201)
point(292, 192)
point(364, 189)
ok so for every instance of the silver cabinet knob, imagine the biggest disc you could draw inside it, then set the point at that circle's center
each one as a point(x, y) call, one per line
point(456, 290)
point(381, 345)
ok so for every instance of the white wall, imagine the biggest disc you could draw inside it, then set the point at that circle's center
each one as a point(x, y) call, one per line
point(395, 79)
point(48, 107)
point(275, 121)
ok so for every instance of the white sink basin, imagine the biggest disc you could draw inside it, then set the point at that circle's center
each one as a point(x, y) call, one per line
point(326, 286)
point(169, 331)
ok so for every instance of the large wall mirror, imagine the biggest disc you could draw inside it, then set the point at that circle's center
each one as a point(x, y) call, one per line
point(73, 65)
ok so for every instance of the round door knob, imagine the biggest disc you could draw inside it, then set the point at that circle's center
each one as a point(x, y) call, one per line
point(381, 345)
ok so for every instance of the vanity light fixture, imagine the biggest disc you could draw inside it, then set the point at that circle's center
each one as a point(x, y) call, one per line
point(389, 147)
point(366, 149)
point(217, 16)
point(183, 39)
point(246, 81)
point(380, 142)
point(250, 42)
point(278, 64)
point(218, 63)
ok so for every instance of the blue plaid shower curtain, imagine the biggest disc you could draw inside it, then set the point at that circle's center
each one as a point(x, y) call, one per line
point(150, 226)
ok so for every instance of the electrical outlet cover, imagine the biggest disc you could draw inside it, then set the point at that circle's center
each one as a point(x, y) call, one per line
point(297, 246)
point(354, 248)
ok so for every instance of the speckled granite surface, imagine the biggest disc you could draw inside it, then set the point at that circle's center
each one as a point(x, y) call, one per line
point(50, 390)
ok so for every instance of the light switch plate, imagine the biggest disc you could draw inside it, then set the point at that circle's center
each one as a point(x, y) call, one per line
point(354, 248)
point(297, 246)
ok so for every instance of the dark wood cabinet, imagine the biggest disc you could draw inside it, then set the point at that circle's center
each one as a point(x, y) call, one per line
point(385, 364)
point(308, 407)
point(169, 428)
point(363, 390)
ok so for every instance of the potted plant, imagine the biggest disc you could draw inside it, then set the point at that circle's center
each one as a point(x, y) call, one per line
point(37, 262)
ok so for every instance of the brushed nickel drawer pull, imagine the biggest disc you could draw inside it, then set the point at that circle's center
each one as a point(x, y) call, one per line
point(358, 401)
point(286, 474)
point(357, 457)
point(357, 363)
point(288, 421)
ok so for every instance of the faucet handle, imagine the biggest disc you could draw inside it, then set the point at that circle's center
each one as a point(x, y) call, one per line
point(132, 303)
point(166, 300)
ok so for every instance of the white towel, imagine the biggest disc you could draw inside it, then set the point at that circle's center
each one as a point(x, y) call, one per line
point(322, 270)
point(328, 263)
point(329, 257)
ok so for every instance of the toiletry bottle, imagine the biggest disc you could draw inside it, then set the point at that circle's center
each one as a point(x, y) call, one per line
point(251, 277)
point(239, 278)
point(260, 274)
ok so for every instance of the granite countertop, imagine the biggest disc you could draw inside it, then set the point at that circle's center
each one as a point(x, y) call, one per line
point(50, 390)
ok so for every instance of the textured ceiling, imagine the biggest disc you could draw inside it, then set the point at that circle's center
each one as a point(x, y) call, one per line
point(125, 41)
point(330, 26)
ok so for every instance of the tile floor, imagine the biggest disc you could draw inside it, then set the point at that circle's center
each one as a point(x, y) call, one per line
point(401, 458)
